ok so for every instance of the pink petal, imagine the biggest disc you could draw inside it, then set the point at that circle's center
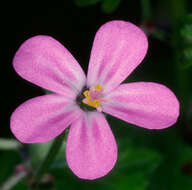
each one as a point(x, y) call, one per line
point(118, 48)
point(45, 62)
point(42, 118)
point(91, 150)
point(146, 104)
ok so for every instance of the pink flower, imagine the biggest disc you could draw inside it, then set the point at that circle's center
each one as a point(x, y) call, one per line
point(91, 150)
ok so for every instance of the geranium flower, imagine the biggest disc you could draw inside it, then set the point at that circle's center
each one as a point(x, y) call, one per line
point(79, 102)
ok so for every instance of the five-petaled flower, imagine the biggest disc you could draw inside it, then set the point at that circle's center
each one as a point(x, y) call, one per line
point(91, 150)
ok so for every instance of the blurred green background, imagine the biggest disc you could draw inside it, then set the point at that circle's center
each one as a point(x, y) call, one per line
point(147, 159)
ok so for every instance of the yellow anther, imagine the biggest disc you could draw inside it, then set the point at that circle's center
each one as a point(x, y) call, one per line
point(92, 97)
point(98, 87)
point(96, 103)
point(86, 93)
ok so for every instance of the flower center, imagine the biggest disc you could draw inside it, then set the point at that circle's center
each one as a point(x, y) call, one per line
point(93, 97)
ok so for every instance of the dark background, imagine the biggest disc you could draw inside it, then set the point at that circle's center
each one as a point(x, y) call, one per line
point(75, 28)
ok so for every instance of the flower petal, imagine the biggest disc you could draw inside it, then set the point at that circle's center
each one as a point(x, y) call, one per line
point(45, 62)
point(42, 118)
point(146, 104)
point(91, 150)
point(118, 49)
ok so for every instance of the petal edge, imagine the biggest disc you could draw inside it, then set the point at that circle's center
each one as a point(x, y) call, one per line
point(45, 62)
point(91, 150)
point(118, 48)
point(146, 104)
point(42, 118)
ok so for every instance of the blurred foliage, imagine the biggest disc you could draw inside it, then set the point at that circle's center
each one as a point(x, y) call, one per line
point(84, 3)
point(39, 151)
point(107, 6)
point(9, 144)
point(186, 38)
point(20, 186)
point(9, 159)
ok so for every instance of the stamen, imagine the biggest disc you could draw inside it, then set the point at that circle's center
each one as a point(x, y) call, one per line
point(98, 87)
point(93, 97)
point(86, 93)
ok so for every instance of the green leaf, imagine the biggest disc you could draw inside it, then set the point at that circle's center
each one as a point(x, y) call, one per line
point(137, 158)
point(133, 181)
point(186, 29)
point(84, 3)
point(188, 53)
point(186, 42)
point(140, 159)
point(20, 186)
point(170, 174)
point(187, 57)
point(109, 6)
point(186, 33)
point(65, 179)
point(8, 160)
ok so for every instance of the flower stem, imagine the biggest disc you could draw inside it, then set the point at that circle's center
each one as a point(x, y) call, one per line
point(13, 180)
point(9, 144)
point(48, 159)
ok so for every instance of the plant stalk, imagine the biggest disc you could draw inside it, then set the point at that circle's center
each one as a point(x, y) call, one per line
point(48, 159)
